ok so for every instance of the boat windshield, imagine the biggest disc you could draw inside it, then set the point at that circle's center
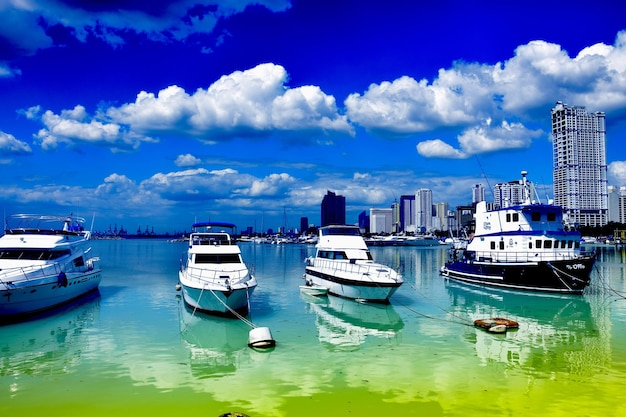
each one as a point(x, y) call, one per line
point(341, 230)
point(221, 258)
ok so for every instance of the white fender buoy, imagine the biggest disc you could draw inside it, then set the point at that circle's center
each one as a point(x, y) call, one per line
point(178, 287)
point(261, 337)
point(498, 328)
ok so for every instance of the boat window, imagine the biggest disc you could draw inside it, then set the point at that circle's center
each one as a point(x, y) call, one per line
point(535, 216)
point(508, 217)
point(222, 258)
point(538, 244)
point(344, 231)
point(576, 244)
point(563, 243)
point(547, 244)
point(551, 216)
point(530, 245)
point(493, 245)
point(515, 217)
point(570, 244)
point(78, 262)
point(369, 256)
point(33, 254)
point(501, 245)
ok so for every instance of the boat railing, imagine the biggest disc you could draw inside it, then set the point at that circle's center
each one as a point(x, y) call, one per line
point(371, 269)
point(24, 274)
point(224, 277)
point(538, 256)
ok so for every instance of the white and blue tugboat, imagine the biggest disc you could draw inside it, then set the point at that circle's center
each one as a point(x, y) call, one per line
point(344, 265)
point(524, 247)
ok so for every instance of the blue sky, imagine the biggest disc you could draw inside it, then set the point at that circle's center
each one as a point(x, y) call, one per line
point(162, 113)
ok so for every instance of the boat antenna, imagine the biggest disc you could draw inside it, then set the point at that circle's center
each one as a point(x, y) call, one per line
point(486, 179)
point(93, 219)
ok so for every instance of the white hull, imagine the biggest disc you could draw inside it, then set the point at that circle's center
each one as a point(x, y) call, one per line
point(353, 288)
point(45, 293)
point(216, 299)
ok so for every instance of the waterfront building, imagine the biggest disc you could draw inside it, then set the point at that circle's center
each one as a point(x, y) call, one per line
point(424, 209)
point(381, 220)
point(510, 193)
point(441, 214)
point(407, 213)
point(395, 217)
point(304, 224)
point(364, 222)
point(616, 204)
point(333, 209)
point(579, 164)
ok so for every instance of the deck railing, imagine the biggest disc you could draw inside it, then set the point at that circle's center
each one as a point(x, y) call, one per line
point(225, 277)
point(538, 256)
point(373, 270)
point(18, 275)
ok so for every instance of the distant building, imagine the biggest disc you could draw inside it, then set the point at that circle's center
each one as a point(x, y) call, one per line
point(424, 208)
point(478, 193)
point(442, 211)
point(407, 213)
point(580, 170)
point(510, 193)
point(395, 217)
point(381, 220)
point(333, 209)
point(364, 222)
point(617, 204)
point(304, 225)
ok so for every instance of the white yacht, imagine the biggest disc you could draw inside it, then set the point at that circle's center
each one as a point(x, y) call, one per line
point(213, 277)
point(344, 265)
point(45, 261)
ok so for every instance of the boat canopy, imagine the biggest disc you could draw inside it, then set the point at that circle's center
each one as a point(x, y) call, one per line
point(215, 225)
point(340, 230)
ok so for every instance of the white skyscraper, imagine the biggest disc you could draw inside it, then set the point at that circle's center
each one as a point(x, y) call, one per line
point(478, 193)
point(579, 158)
point(424, 208)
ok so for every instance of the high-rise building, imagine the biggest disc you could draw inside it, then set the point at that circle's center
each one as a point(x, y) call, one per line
point(510, 193)
point(579, 164)
point(333, 209)
point(478, 193)
point(424, 208)
point(381, 220)
point(407, 213)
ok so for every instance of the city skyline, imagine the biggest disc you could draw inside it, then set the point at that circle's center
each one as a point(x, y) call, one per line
point(167, 113)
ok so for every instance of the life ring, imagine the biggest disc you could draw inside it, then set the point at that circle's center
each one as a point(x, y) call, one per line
point(62, 279)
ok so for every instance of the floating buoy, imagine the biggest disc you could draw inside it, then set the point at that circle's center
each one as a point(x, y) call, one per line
point(496, 325)
point(261, 337)
point(178, 287)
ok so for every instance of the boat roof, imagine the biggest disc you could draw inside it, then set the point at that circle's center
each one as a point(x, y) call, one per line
point(43, 224)
point(340, 229)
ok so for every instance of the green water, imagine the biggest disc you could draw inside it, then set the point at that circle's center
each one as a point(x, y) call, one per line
point(135, 350)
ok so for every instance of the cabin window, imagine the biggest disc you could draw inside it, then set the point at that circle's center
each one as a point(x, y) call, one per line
point(508, 217)
point(535, 216)
point(563, 243)
point(78, 262)
point(570, 244)
point(547, 244)
point(222, 258)
point(33, 254)
point(493, 245)
point(516, 217)
point(538, 243)
point(501, 245)
point(551, 216)
point(577, 244)
point(530, 245)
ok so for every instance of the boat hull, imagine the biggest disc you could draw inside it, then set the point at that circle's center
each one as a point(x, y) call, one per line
point(216, 300)
point(351, 288)
point(563, 276)
point(46, 293)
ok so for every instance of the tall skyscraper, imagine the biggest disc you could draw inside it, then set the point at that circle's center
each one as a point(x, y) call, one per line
point(579, 158)
point(333, 209)
point(424, 208)
point(407, 213)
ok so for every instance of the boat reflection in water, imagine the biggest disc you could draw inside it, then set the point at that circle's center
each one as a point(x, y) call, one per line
point(216, 344)
point(559, 332)
point(51, 342)
point(345, 324)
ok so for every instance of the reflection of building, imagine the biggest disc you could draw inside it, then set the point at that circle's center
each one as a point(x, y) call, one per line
point(333, 209)
point(579, 155)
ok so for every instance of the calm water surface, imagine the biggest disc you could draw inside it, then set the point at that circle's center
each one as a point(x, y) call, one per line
point(134, 349)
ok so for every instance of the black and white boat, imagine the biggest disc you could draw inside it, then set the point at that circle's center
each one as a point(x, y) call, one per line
point(526, 247)
point(344, 265)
